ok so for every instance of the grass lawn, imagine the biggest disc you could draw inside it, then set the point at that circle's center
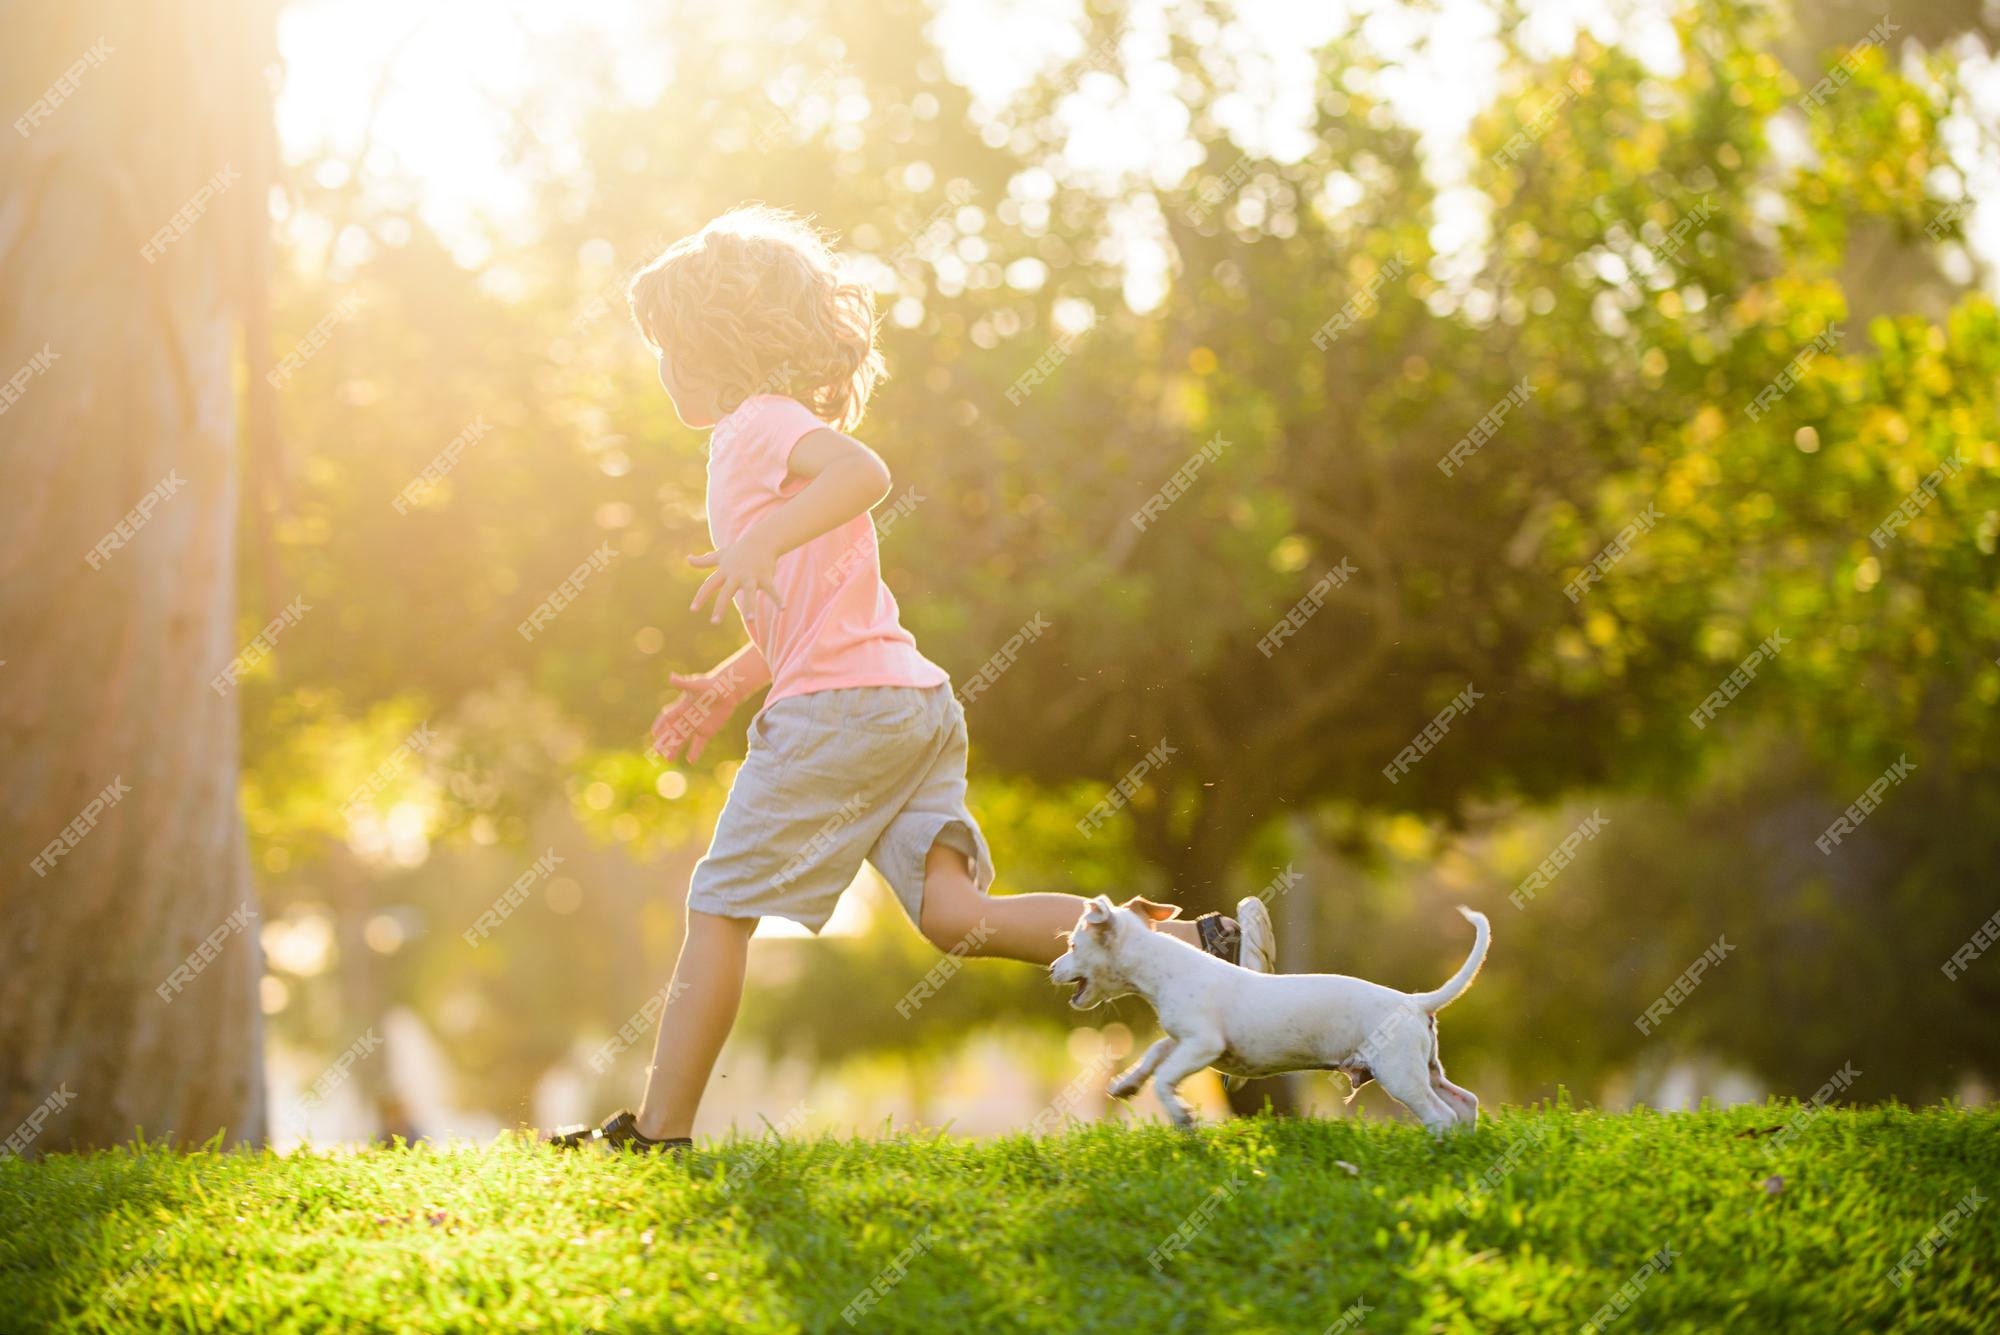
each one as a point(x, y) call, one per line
point(1696, 1221)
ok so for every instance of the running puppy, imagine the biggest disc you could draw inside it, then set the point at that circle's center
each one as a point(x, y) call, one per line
point(1254, 1024)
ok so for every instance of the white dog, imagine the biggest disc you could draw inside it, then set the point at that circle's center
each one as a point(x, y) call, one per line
point(1253, 1024)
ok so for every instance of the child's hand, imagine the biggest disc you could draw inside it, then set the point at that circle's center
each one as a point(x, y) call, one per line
point(706, 701)
point(745, 565)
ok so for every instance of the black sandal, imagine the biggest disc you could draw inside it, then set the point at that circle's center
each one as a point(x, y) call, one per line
point(619, 1132)
point(1220, 936)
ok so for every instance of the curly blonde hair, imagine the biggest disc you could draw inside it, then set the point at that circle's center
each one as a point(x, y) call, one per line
point(754, 303)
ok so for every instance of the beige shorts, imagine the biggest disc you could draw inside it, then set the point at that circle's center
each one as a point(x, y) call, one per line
point(833, 778)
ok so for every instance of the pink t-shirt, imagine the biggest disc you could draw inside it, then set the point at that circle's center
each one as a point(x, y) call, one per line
point(838, 626)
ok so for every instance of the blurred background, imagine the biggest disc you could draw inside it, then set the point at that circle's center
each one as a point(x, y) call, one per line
point(1729, 267)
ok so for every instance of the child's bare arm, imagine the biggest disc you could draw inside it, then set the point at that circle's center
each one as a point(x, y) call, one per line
point(706, 701)
point(742, 674)
point(847, 479)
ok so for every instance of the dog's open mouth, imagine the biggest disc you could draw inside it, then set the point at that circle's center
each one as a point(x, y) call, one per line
point(1076, 995)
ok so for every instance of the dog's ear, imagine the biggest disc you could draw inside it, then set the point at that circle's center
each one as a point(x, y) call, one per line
point(1098, 910)
point(1150, 911)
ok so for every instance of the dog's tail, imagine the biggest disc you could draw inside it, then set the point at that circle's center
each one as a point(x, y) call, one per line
point(1433, 1002)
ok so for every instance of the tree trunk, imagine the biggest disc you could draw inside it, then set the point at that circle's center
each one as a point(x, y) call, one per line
point(127, 207)
point(362, 1008)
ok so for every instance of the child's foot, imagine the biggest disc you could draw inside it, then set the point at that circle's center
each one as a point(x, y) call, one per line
point(619, 1132)
point(1248, 940)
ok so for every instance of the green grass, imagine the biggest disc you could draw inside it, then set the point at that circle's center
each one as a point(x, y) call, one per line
point(1054, 1234)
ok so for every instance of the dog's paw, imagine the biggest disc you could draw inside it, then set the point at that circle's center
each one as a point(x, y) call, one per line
point(1124, 1087)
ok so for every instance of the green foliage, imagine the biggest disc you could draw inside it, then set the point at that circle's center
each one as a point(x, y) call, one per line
point(1651, 262)
point(1259, 1225)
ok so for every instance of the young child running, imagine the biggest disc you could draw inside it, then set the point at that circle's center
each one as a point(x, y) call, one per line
point(859, 750)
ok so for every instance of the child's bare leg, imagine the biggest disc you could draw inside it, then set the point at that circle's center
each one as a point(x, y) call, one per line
point(701, 1007)
point(1014, 927)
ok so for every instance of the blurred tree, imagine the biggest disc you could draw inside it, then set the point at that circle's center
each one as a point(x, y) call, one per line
point(1628, 262)
point(1888, 268)
point(133, 218)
